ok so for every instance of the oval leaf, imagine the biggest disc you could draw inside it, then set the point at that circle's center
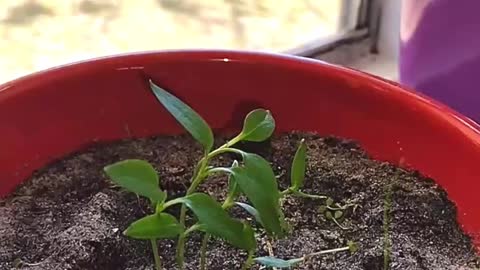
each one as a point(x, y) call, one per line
point(257, 181)
point(352, 246)
point(137, 176)
point(186, 116)
point(329, 201)
point(297, 172)
point(276, 262)
point(252, 211)
point(161, 225)
point(258, 126)
point(217, 222)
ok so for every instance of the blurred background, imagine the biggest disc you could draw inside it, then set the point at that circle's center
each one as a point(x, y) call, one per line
point(38, 34)
point(409, 41)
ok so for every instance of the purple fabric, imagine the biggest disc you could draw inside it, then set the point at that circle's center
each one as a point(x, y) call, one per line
point(441, 57)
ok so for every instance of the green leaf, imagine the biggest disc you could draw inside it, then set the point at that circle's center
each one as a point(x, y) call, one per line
point(276, 262)
point(137, 176)
point(249, 235)
point(217, 222)
point(257, 181)
point(258, 126)
point(352, 246)
point(251, 210)
point(329, 201)
point(161, 225)
point(338, 214)
point(186, 116)
point(297, 173)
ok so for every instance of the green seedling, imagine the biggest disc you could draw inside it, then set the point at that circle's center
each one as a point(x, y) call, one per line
point(297, 174)
point(335, 212)
point(252, 177)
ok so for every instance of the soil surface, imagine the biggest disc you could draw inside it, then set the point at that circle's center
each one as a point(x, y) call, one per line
point(70, 216)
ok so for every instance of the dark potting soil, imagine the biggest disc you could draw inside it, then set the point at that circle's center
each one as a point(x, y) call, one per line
point(70, 216)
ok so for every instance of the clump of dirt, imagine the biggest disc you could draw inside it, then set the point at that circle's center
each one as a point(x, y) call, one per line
point(70, 216)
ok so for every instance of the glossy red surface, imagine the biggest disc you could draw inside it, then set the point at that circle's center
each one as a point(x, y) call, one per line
point(50, 114)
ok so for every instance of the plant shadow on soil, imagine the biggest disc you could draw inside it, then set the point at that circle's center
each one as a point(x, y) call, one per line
point(70, 216)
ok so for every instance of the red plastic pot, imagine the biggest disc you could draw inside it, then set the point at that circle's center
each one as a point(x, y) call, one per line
point(50, 114)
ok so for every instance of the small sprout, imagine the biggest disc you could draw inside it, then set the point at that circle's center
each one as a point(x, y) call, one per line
point(352, 246)
point(329, 201)
point(334, 211)
point(297, 174)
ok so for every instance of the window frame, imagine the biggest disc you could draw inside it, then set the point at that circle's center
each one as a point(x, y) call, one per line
point(358, 21)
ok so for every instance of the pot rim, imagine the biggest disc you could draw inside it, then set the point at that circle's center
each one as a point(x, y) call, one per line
point(457, 119)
